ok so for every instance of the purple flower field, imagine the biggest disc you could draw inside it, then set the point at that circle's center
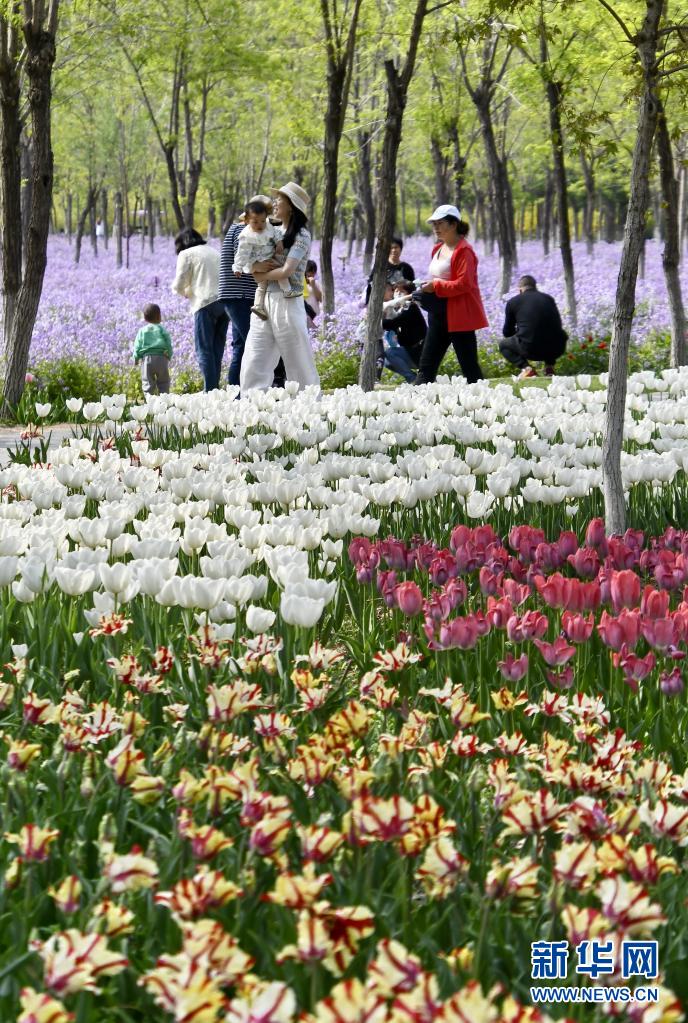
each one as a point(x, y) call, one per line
point(93, 310)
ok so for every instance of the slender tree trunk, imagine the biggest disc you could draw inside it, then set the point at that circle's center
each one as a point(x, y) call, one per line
point(83, 217)
point(117, 229)
point(440, 170)
point(500, 197)
point(151, 223)
point(27, 184)
point(69, 217)
point(365, 187)
point(10, 177)
point(212, 220)
point(671, 256)
point(40, 58)
point(92, 226)
point(646, 46)
point(589, 209)
point(554, 92)
point(340, 51)
point(458, 166)
point(104, 216)
point(683, 209)
point(397, 91)
point(547, 213)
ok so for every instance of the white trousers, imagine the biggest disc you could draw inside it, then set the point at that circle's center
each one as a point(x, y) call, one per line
point(285, 334)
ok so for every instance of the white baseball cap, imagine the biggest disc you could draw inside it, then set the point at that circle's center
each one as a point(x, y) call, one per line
point(445, 211)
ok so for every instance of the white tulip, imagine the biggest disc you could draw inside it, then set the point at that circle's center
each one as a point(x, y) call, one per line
point(74, 404)
point(43, 410)
point(74, 581)
point(8, 569)
point(303, 611)
point(259, 619)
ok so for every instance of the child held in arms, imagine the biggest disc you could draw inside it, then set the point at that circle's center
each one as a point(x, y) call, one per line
point(258, 241)
point(153, 348)
point(403, 317)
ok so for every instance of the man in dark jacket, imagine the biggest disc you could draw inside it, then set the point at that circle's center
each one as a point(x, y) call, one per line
point(532, 330)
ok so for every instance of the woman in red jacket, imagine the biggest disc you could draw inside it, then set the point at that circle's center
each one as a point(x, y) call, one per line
point(455, 308)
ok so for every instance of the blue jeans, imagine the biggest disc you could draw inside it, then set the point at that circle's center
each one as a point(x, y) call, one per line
point(398, 359)
point(239, 312)
point(210, 335)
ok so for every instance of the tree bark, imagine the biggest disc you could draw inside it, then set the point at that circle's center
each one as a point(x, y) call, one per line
point(589, 209)
point(645, 43)
point(554, 93)
point(440, 166)
point(117, 229)
point(151, 223)
point(91, 196)
point(104, 216)
point(340, 53)
point(10, 174)
point(26, 187)
point(365, 188)
point(39, 32)
point(671, 256)
point(547, 213)
point(397, 91)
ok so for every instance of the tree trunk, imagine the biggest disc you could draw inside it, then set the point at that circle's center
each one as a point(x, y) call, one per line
point(91, 195)
point(554, 93)
point(212, 220)
point(39, 38)
point(589, 209)
point(397, 91)
point(547, 213)
point(683, 209)
point(104, 216)
point(365, 187)
point(671, 256)
point(117, 228)
point(458, 167)
point(501, 202)
point(151, 223)
point(10, 180)
point(646, 47)
point(92, 227)
point(440, 170)
point(340, 53)
point(69, 217)
point(26, 187)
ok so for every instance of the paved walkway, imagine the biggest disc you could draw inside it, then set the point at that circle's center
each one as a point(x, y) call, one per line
point(10, 437)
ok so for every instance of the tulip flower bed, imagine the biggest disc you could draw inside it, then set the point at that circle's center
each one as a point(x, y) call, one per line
point(327, 707)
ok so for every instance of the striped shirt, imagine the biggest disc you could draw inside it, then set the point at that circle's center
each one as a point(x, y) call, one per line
point(232, 287)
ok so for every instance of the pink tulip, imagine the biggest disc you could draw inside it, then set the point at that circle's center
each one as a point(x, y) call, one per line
point(513, 668)
point(585, 562)
point(621, 631)
point(654, 603)
point(624, 589)
point(409, 598)
point(577, 628)
point(557, 653)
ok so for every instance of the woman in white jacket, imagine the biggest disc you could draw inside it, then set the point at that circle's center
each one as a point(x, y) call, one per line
point(285, 332)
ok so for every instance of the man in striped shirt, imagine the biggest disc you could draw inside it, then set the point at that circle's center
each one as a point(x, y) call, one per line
point(238, 294)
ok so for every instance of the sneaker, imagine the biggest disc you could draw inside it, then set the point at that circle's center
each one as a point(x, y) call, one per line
point(295, 293)
point(260, 313)
point(549, 371)
point(527, 373)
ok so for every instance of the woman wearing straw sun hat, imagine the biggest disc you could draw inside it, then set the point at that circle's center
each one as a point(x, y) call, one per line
point(285, 332)
point(452, 299)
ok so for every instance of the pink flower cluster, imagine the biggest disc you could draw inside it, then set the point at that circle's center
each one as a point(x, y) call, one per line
point(629, 582)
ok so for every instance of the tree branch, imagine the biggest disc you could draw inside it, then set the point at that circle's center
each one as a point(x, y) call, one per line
point(608, 7)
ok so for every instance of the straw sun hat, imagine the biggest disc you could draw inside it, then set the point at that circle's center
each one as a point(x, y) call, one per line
point(297, 196)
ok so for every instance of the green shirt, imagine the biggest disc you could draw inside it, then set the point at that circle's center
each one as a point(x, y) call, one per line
point(152, 339)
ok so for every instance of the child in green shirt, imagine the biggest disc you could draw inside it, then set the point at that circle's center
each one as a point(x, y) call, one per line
point(153, 347)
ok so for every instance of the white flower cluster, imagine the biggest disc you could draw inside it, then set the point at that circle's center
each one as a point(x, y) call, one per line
point(270, 485)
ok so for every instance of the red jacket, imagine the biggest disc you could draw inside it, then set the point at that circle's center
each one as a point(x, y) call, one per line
point(464, 305)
